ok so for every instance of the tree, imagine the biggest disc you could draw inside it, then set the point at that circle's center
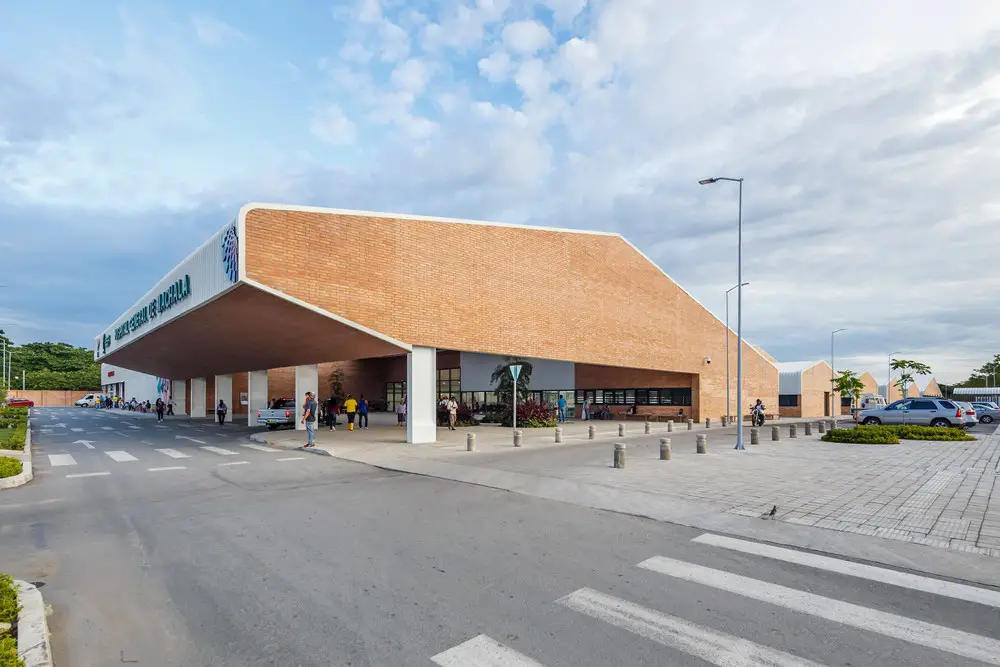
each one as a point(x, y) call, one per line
point(53, 366)
point(849, 384)
point(907, 368)
point(985, 376)
point(337, 383)
point(505, 384)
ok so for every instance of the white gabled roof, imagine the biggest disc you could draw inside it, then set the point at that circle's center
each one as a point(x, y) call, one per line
point(922, 381)
point(790, 375)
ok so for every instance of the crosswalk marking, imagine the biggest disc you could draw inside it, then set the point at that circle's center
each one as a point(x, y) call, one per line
point(56, 460)
point(87, 474)
point(77, 430)
point(711, 646)
point(260, 448)
point(165, 468)
point(291, 458)
point(173, 453)
point(235, 463)
point(482, 651)
point(108, 428)
point(882, 575)
point(120, 456)
point(218, 450)
point(899, 627)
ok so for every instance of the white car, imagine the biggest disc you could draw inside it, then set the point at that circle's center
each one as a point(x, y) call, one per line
point(89, 401)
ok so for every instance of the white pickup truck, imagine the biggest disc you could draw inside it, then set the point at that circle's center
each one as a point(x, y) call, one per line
point(281, 413)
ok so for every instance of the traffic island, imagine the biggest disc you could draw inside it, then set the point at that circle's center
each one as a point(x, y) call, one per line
point(15, 463)
point(24, 629)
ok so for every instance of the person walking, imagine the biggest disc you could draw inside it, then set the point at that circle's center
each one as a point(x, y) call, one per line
point(159, 409)
point(562, 409)
point(586, 408)
point(452, 407)
point(220, 412)
point(363, 413)
point(309, 419)
point(170, 407)
point(350, 407)
point(401, 413)
point(331, 413)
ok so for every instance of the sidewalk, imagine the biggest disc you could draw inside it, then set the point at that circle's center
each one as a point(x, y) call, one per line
point(936, 494)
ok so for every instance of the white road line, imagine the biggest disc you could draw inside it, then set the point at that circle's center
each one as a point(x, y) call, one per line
point(260, 448)
point(173, 453)
point(56, 460)
point(166, 468)
point(108, 428)
point(219, 450)
point(120, 456)
point(709, 645)
point(77, 430)
point(482, 651)
point(137, 428)
point(291, 458)
point(899, 627)
point(882, 575)
point(235, 463)
point(88, 474)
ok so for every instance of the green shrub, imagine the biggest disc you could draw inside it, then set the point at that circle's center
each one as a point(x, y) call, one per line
point(14, 438)
point(908, 432)
point(863, 435)
point(13, 412)
point(8, 614)
point(9, 467)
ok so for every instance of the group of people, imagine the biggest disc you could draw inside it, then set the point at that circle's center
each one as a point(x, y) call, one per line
point(117, 403)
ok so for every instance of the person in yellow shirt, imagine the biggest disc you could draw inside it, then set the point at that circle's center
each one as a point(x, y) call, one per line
point(350, 407)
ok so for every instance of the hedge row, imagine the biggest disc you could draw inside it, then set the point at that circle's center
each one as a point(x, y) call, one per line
point(891, 435)
point(13, 427)
point(9, 467)
point(8, 614)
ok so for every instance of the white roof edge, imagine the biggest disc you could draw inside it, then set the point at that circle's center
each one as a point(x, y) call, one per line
point(246, 208)
point(691, 296)
point(797, 366)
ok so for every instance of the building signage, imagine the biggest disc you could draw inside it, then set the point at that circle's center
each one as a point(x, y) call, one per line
point(168, 298)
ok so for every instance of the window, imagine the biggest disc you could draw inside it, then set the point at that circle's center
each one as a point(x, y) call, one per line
point(449, 382)
point(948, 405)
point(923, 405)
point(788, 400)
point(845, 401)
point(395, 392)
point(680, 396)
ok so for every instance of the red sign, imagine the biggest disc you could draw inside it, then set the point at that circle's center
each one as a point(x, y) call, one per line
point(111, 374)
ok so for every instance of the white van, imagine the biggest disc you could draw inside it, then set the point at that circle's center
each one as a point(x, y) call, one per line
point(89, 401)
point(869, 402)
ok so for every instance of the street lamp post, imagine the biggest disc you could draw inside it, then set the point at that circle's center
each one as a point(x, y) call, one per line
point(739, 307)
point(888, 378)
point(833, 372)
point(728, 381)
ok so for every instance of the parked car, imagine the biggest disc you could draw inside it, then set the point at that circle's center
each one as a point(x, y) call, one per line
point(868, 402)
point(918, 411)
point(20, 403)
point(89, 401)
point(987, 412)
point(281, 413)
point(971, 416)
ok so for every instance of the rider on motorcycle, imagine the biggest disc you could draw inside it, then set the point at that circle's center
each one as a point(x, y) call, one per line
point(758, 413)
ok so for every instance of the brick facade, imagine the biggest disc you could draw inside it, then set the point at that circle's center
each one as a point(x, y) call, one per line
point(435, 284)
point(52, 398)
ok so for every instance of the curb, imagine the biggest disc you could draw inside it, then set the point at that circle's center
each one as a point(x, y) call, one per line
point(33, 645)
point(26, 474)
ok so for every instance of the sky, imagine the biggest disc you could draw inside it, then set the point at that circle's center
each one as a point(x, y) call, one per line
point(868, 135)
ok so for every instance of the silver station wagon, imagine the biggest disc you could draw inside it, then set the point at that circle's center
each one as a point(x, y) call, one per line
point(917, 411)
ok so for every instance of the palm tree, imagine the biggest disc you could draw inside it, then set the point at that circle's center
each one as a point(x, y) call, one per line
point(908, 368)
point(505, 383)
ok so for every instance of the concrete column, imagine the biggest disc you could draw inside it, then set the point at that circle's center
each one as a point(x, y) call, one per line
point(421, 395)
point(257, 392)
point(306, 379)
point(177, 391)
point(224, 392)
point(198, 398)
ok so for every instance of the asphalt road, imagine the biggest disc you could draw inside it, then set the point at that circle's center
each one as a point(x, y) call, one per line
point(295, 559)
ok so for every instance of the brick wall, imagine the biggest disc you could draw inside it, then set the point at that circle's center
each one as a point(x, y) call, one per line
point(815, 388)
point(51, 398)
point(240, 384)
point(616, 309)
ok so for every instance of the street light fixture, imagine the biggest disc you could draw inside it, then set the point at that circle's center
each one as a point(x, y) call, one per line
point(739, 307)
point(888, 377)
point(729, 416)
point(833, 372)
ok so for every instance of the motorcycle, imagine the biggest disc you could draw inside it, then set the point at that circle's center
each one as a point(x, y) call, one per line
point(757, 417)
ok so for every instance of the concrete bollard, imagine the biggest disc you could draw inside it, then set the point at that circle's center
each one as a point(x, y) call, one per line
point(558, 433)
point(619, 454)
point(833, 424)
point(775, 433)
point(470, 442)
point(648, 427)
point(670, 427)
point(664, 449)
point(621, 430)
point(821, 426)
point(517, 438)
point(592, 432)
point(792, 431)
point(754, 436)
point(690, 424)
point(708, 422)
point(702, 446)
point(808, 430)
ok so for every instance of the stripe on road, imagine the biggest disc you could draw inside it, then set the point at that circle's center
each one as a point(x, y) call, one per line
point(120, 456)
point(482, 651)
point(88, 474)
point(173, 453)
point(56, 460)
point(899, 627)
point(709, 645)
point(882, 575)
point(165, 468)
point(292, 458)
point(235, 463)
point(260, 448)
point(77, 430)
point(218, 450)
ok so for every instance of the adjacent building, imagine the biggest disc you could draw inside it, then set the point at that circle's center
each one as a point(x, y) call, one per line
point(286, 299)
point(805, 389)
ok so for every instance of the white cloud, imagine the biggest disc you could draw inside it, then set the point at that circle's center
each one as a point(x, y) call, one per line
point(215, 32)
point(464, 27)
point(564, 11)
point(526, 37)
point(496, 66)
point(331, 125)
point(411, 76)
point(580, 62)
point(369, 11)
